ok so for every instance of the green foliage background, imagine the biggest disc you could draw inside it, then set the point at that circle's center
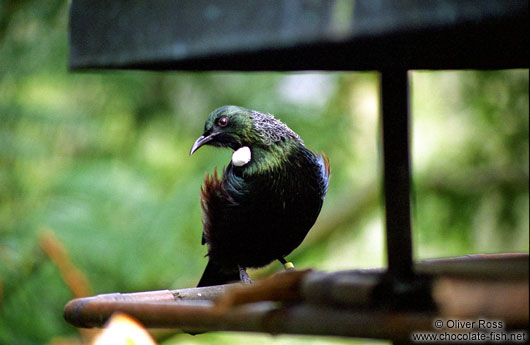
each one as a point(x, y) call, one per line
point(101, 159)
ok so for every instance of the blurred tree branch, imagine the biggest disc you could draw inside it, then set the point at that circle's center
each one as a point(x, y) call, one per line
point(71, 275)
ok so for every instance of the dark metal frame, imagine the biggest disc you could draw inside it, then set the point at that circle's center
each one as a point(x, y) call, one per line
point(395, 122)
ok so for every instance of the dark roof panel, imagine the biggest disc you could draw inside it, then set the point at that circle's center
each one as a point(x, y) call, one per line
point(298, 34)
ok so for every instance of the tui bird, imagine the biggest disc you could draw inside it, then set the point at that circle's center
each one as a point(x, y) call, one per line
point(268, 198)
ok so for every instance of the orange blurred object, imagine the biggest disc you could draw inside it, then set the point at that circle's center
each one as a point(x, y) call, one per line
point(123, 329)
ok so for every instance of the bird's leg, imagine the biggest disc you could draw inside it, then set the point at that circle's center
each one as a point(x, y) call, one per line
point(243, 276)
point(288, 265)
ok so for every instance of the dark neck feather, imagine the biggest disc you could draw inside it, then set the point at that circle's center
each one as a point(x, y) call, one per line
point(270, 130)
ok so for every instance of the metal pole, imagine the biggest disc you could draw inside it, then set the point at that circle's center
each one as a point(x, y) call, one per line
point(395, 118)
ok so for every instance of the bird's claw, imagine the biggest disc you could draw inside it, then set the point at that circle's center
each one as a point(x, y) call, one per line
point(243, 276)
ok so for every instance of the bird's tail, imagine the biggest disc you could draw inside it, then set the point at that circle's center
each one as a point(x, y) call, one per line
point(217, 275)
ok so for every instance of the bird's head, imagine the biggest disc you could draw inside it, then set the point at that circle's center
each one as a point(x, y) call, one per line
point(228, 126)
point(234, 127)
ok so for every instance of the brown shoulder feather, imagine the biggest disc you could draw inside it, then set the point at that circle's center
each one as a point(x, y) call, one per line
point(327, 167)
point(212, 184)
point(214, 201)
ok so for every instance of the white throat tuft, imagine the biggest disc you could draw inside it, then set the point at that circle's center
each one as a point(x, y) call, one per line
point(241, 156)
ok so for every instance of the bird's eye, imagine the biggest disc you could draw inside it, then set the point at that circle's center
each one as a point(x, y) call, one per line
point(223, 121)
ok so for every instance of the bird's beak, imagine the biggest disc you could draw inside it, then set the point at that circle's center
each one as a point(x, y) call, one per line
point(201, 141)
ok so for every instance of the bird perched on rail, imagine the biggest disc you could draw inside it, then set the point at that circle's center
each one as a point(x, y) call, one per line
point(268, 198)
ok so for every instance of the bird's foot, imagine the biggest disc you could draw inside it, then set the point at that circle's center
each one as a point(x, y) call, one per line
point(243, 276)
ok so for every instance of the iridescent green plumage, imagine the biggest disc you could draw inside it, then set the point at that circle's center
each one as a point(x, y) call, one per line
point(260, 211)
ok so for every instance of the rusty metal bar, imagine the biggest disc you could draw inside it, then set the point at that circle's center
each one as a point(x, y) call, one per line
point(492, 286)
point(337, 303)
